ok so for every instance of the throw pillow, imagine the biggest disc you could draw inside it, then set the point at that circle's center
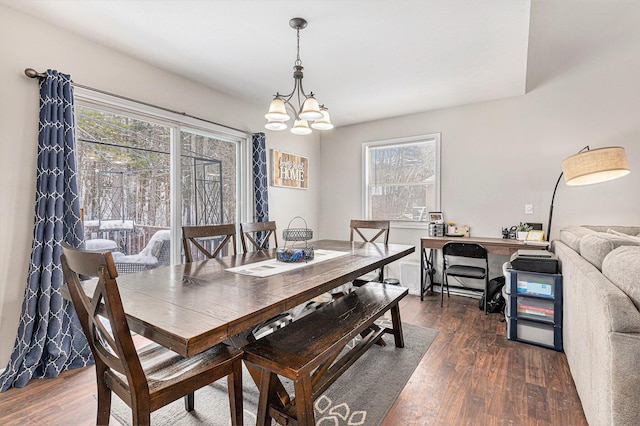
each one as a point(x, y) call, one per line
point(633, 238)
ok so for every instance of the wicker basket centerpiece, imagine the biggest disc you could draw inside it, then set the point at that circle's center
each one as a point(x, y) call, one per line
point(291, 236)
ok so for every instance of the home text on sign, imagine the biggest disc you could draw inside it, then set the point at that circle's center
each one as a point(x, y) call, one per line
point(289, 170)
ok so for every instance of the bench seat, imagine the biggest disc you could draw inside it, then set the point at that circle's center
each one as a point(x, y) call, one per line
point(306, 351)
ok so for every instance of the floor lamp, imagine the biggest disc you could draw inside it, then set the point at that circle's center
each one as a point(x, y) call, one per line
point(591, 166)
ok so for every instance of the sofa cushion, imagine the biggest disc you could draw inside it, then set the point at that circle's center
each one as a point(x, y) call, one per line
point(571, 236)
point(595, 247)
point(622, 267)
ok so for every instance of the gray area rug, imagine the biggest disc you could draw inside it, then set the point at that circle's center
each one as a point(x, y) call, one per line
point(361, 396)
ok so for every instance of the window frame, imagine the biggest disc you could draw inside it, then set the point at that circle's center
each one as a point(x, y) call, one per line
point(366, 148)
point(177, 122)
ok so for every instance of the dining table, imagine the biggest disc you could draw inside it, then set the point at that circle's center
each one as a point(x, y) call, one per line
point(191, 307)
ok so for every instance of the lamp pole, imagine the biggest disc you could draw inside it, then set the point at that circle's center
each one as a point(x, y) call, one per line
point(551, 208)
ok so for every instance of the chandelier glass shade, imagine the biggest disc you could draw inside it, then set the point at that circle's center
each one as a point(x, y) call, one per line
point(308, 113)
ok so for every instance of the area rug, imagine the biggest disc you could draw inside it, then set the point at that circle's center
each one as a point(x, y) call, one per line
point(361, 396)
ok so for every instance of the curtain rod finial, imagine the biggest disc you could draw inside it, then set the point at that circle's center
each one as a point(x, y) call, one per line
point(31, 73)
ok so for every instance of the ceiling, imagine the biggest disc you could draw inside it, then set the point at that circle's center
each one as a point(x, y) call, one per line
point(364, 59)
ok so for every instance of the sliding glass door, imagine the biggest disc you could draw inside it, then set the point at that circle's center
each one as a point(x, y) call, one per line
point(126, 174)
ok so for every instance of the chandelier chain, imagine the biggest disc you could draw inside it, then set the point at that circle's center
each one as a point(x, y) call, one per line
point(298, 61)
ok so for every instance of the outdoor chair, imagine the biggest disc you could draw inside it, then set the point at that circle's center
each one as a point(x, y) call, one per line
point(209, 240)
point(155, 254)
point(466, 250)
point(148, 378)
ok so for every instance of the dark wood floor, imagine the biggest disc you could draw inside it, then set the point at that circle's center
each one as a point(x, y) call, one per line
point(470, 375)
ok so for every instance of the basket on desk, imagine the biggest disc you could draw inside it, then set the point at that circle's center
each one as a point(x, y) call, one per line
point(292, 254)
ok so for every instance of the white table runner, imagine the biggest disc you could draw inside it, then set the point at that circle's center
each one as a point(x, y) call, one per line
point(272, 266)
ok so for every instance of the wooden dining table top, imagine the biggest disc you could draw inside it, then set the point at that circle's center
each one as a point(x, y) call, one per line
point(191, 307)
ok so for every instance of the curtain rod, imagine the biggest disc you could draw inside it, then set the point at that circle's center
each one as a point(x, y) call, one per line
point(31, 73)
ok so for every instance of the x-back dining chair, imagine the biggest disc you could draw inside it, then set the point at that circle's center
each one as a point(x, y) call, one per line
point(205, 237)
point(358, 228)
point(148, 378)
point(251, 230)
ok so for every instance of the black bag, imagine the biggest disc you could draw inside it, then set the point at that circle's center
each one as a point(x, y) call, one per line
point(496, 301)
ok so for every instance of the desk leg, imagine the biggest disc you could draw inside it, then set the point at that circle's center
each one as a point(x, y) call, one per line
point(426, 269)
point(432, 267)
point(421, 274)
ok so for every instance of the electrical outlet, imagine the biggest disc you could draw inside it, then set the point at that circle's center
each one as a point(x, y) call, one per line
point(528, 209)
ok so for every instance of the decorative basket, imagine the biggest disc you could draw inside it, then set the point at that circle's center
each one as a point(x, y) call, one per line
point(297, 234)
point(292, 254)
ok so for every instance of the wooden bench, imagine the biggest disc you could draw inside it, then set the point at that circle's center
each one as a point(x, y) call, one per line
point(307, 350)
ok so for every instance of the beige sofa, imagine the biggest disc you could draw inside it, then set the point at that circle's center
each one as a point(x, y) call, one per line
point(601, 326)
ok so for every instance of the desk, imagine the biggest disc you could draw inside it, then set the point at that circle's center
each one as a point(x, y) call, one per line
point(500, 246)
point(191, 307)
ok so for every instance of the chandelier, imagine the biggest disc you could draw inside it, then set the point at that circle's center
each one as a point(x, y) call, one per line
point(307, 112)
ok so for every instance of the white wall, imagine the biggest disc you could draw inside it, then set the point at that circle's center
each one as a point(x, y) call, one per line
point(26, 42)
point(584, 89)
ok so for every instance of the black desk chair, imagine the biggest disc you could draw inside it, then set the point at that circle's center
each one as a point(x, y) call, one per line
point(467, 250)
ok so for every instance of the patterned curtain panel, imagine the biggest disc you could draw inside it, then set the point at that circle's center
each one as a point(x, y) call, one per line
point(50, 338)
point(260, 182)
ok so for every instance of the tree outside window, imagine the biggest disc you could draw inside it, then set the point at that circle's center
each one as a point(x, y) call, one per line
point(402, 178)
point(125, 175)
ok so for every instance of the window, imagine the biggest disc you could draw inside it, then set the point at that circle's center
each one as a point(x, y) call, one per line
point(126, 172)
point(402, 179)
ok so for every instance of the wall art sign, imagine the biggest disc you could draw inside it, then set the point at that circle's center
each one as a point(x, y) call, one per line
point(289, 170)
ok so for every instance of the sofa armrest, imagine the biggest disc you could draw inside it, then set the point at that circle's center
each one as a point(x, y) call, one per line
point(594, 310)
point(625, 376)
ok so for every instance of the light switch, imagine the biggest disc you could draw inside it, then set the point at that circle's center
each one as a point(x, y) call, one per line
point(528, 209)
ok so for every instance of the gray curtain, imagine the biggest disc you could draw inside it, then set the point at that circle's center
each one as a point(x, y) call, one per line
point(49, 338)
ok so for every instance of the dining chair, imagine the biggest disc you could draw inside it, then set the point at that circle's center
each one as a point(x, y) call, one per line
point(209, 240)
point(465, 250)
point(258, 234)
point(148, 378)
point(370, 231)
